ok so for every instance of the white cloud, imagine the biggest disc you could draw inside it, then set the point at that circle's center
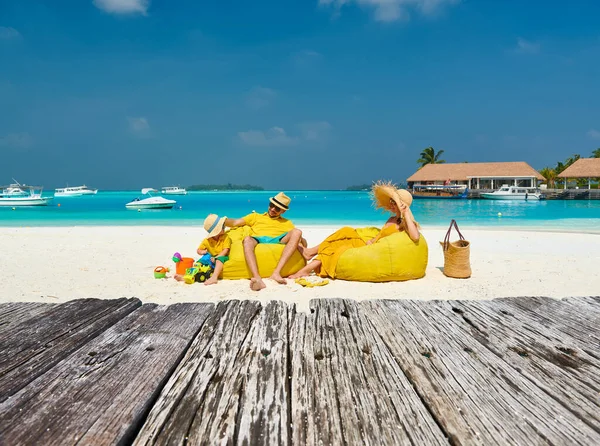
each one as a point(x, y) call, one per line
point(260, 97)
point(123, 6)
point(527, 47)
point(594, 134)
point(8, 33)
point(306, 57)
point(16, 141)
point(315, 131)
point(275, 136)
point(139, 126)
point(392, 10)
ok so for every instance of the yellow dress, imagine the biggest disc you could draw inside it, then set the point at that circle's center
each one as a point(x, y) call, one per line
point(339, 242)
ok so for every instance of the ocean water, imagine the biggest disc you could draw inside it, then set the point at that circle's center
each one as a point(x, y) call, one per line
point(336, 208)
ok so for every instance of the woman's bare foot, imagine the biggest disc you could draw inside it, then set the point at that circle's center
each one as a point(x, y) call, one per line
point(257, 284)
point(277, 278)
point(307, 253)
point(297, 275)
point(213, 280)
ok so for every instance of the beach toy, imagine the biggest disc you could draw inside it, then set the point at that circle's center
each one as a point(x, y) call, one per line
point(177, 257)
point(190, 275)
point(182, 265)
point(160, 272)
point(499, 214)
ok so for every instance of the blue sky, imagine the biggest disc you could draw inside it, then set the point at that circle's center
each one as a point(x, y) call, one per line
point(290, 94)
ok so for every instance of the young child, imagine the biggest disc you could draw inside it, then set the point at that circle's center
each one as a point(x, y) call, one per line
point(214, 249)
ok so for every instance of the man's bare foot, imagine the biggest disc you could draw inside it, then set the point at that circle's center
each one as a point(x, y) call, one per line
point(277, 278)
point(178, 277)
point(257, 284)
point(211, 281)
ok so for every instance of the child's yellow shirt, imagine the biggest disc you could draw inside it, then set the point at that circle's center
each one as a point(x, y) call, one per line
point(214, 246)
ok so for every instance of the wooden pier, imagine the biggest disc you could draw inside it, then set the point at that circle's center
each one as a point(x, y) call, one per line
point(520, 371)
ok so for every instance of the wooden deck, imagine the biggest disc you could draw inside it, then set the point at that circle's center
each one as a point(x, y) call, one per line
point(509, 371)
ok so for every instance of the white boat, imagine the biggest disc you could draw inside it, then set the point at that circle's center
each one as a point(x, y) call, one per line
point(151, 202)
point(507, 192)
point(22, 195)
point(173, 190)
point(77, 191)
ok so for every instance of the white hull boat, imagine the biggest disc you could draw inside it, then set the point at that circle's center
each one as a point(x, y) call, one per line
point(74, 191)
point(515, 193)
point(173, 190)
point(151, 202)
point(22, 195)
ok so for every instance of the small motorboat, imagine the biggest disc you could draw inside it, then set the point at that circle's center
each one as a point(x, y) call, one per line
point(507, 192)
point(22, 195)
point(150, 202)
point(173, 190)
point(77, 191)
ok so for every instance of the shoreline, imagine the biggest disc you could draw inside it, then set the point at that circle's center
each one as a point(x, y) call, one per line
point(57, 264)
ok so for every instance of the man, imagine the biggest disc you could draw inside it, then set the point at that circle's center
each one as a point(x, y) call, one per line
point(269, 227)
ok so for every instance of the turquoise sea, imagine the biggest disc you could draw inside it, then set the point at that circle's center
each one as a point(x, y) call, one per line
point(308, 207)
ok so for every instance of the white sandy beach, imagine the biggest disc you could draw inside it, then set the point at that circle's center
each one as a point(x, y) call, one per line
point(57, 264)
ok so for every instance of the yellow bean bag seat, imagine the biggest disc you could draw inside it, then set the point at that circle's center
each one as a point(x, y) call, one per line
point(392, 258)
point(267, 256)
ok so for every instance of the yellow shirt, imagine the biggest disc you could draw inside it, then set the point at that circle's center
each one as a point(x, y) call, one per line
point(215, 245)
point(262, 224)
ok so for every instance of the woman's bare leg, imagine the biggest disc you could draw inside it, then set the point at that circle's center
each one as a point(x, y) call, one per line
point(306, 270)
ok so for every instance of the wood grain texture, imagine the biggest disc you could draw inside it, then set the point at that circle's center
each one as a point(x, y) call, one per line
point(100, 394)
point(40, 342)
point(347, 388)
point(475, 396)
point(15, 313)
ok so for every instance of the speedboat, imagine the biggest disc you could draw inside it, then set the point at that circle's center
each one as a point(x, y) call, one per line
point(173, 190)
point(22, 195)
point(77, 191)
point(150, 202)
point(507, 192)
point(440, 191)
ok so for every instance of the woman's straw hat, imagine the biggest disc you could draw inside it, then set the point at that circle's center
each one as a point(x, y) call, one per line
point(383, 192)
point(213, 224)
point(281, 200)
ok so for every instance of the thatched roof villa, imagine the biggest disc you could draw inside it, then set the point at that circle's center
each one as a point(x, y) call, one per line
point(477, 175)
point(582, 168)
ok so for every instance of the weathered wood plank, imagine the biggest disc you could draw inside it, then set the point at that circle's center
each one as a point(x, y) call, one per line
point(42, 341)
point(475, 396)
point(579, 322)
point(540, 353)
point(15, 313)
point(201, 401)
point(100, 394)
point(347, 387)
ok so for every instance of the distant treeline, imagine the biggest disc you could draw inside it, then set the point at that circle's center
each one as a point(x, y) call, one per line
point(359, 187)
point(227, 186)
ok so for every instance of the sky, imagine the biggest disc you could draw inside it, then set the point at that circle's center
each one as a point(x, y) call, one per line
point(290, 94)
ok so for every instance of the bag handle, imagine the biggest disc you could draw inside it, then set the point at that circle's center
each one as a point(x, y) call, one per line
point(447, 238)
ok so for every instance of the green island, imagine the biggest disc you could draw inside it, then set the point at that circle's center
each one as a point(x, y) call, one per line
point(227, 186)
point(359, 187)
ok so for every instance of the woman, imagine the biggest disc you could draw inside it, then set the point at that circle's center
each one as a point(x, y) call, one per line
point(385, 196)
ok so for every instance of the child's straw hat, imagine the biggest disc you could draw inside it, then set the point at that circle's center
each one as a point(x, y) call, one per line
point(213, 224)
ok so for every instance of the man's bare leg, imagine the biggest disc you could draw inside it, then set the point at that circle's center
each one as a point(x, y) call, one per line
point(291, 241)
point(256, 282)
point(312, 266)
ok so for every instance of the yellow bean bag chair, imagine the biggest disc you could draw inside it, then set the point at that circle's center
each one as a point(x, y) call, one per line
point(392, 258)
point(267, 256)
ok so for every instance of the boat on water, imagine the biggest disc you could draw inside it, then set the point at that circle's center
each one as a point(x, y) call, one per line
point(173, 190)
point(507, 192)
point(76, 191)
point(22, 195)
point(151, 201)
point(436, 191)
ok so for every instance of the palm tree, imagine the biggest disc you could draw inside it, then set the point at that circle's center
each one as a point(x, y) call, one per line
point(571, 160)
point(550, 175)
point(428, 156)
point(596, 153)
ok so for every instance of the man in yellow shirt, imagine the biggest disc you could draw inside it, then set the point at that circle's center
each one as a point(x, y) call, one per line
point(269, 227)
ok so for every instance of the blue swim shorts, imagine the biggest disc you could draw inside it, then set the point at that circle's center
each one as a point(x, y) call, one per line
point(269, 240)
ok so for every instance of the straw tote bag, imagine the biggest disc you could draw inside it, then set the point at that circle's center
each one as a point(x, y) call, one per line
point(457, 262)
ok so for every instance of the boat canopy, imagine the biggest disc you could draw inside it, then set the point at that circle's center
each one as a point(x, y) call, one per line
point(148, 189)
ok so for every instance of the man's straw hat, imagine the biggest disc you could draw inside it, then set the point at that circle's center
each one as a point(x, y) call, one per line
point(383, 192)
point(281, 200)
point(213, 224)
